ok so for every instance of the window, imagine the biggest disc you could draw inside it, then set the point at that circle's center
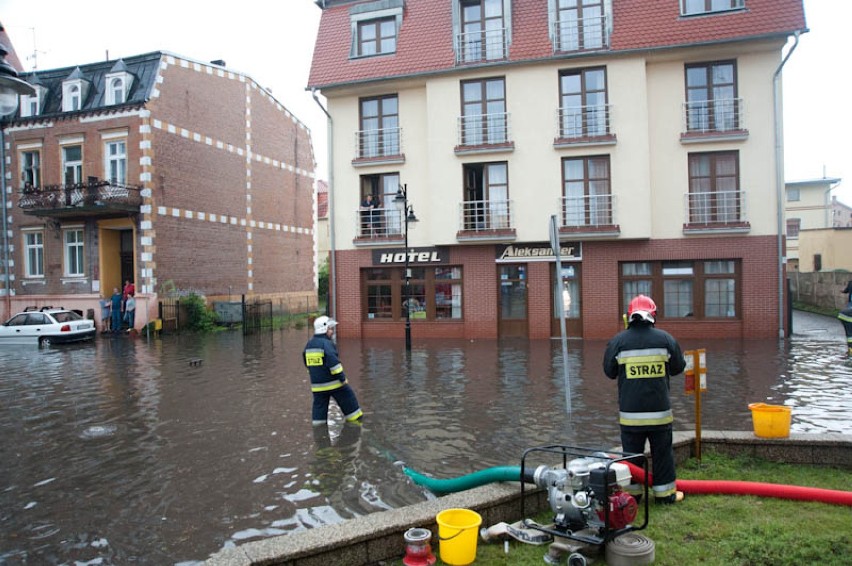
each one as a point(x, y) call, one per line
point(484, 119)
point(72, 164)
point(73, 98)
point(375, 27)
point(379, 135)
point(30, 105)
point(711, 97)
point(30, 170)
point(116, 91)
point(116, 161)
point(586, 192)
point(385, 218)
point(377, 37)
point(692, 7)
point(817, 262)
point(685, 289)
point(714, 195)
point(793, 194)
point(579, 24)
point(34, 253)
point(583, 108)
point(433, 293)
point(793, 227)
point(486, 197)
point(484, 34)
point(74, 264)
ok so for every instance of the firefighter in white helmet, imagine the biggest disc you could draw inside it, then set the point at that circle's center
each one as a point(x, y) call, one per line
point(643, 358)
point(327, 377)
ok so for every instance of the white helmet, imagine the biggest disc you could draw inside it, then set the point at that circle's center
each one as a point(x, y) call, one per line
point(323, 323)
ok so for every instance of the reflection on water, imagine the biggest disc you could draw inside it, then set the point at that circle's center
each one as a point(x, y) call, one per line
point(129, 451)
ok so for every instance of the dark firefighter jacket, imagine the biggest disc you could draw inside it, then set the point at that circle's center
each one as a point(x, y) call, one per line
point(324, 367)
point(643, 358)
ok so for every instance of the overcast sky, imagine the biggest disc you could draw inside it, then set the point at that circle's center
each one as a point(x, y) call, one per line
point(272, 41)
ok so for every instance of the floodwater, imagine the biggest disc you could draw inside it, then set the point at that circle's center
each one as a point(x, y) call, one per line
point(136, 451)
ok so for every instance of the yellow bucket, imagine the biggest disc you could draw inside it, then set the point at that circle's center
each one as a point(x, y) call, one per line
point(458, 531)
point(770, 421)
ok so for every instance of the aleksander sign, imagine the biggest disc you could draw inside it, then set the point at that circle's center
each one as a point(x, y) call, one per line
point(513, 253)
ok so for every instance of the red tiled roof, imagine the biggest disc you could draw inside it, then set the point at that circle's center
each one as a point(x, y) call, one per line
point(425, 42)
point(322, 199)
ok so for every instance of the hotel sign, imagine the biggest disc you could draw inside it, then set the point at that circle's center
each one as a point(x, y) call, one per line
point(416, 256)
point(513, 253)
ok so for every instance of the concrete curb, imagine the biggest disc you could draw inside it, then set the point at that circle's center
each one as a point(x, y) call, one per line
point(379, 537)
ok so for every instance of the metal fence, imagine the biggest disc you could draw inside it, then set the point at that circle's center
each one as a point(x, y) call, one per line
point(169, 311)
point(257, 315)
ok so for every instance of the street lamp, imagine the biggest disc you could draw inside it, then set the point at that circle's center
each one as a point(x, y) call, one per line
point(408, 215)
point(10, 88)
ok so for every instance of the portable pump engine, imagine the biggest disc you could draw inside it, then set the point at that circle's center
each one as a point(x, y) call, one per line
point(587, 493)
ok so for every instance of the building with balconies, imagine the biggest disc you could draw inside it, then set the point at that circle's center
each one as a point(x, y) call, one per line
point(646, 132)
point(161, 170)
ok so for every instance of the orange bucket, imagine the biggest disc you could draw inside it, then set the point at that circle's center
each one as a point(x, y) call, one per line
point(770, 421)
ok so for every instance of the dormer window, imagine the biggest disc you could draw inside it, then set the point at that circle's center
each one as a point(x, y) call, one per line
point(694, 7)
point(31, 104)
point(375, 27)
point(118, 82)
point(74, 90)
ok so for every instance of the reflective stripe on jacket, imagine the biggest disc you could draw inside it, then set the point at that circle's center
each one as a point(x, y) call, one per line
point(324, 367)
point(643, 358)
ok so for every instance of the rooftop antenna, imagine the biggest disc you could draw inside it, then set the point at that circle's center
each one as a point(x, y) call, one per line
point(34, 56)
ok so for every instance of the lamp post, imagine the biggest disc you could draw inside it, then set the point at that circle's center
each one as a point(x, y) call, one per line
point(10, 88)
point(408, 216)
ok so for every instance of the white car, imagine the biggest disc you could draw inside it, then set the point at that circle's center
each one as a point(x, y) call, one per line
point(46, 326)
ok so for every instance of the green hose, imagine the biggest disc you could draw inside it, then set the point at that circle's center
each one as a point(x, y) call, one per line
point(462, 483)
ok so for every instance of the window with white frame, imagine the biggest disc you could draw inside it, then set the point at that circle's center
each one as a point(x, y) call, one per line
point(375, 27)
point(72, 164)
point(693, 7)
point(30, 170)
point(72, 97)
point(115, 154)
point(34, 253)
point(115, 90)
point(30, 105)
point(74, 252)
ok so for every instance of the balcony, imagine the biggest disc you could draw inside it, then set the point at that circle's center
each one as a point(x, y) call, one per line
point(94, 198)
point(378, 147)
point(484, 133)
point(583, 125)
point(713, 119)
point(481, 220)
point(715, 211)
point(588, 215)
point(381, 226)
point(579, 34)
point(482, 46)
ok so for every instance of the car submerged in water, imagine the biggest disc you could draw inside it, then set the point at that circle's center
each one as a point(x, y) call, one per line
point(45, 326)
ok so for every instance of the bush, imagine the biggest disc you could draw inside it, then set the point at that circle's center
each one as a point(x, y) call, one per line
point(322, 283)
point(201, 318)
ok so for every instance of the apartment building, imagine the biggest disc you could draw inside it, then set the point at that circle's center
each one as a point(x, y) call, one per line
point(171, 173)
point(644, 131)
point(808, 205)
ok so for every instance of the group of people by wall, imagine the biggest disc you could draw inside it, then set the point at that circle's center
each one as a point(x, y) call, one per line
point(119, 309)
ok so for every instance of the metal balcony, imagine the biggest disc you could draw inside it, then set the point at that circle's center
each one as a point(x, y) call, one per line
point(713, 116)
point(593, 215)
point(578, 123)
point(580, 34)
point(377, 145)
point(481, 46)
point(483, 130)
point(93, 198)
point(379, 226)
point(486, 219)
point(715, 210)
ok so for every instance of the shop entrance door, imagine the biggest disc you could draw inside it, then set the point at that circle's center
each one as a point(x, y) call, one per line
point(569, 293)
point(512, 293)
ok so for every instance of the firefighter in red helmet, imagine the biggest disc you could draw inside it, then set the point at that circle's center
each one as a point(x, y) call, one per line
point(643, 358)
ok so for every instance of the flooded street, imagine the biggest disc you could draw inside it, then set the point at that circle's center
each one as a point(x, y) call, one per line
point(165, 451)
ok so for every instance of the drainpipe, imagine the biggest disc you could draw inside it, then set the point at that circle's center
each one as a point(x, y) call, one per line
point(332, 272)
point(779, 180)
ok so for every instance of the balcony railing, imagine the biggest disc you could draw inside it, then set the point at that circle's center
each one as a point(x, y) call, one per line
point(93, 197)
point(575, 122)
point(380, 224)
point(486, 216)
point(713, 116)
point(588, 212)
point(715, 209)
point(484, 45)
point(483, 129)
point(371, 144)
point(580, 34)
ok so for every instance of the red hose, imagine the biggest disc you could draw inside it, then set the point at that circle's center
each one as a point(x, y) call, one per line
point(760, 489)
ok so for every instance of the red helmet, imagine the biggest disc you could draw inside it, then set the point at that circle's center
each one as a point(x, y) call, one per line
point(642, 308)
